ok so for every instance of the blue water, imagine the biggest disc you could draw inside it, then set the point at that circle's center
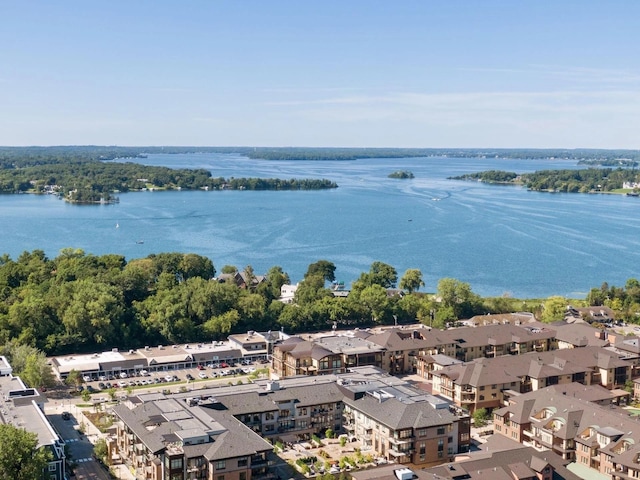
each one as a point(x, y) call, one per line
point(499, 239)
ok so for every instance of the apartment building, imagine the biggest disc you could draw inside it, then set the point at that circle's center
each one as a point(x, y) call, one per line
point(402, 350)
point(287, 412)
point(324, 355)
point(483, 382)
point(410, 423)
point(406, 432)
point(601, 439)
point(498, 459)
point(23, 407)
point(162, 438)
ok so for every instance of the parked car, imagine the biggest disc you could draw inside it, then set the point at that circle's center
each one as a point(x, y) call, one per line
point(66, 416)
point(123, 375)
point(200, 367)
point(202, 375)
point(189, 376)
point(86, 378)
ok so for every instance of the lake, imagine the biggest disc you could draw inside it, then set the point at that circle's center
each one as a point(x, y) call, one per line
point(499, 239)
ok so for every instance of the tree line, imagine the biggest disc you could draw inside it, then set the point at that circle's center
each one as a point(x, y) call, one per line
point(86, 182)
point(79, 302)
point(569, 181)
point(12, 157)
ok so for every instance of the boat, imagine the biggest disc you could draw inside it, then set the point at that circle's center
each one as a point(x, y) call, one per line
point(140, 242)
point(117, 225)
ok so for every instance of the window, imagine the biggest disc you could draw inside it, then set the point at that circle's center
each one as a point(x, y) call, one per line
point(440, 431)
point(220, 477)
point(176, 463)
point(220, 465)
point(242, 462)
point(52, 467)
point(242, 476)
point(481, 397)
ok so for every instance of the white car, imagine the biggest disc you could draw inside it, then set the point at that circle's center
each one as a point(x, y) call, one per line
point(86, 378)
point(202, 375)
point(123, 375)
point(144, 373)
point(169, 378)
point(122, 384)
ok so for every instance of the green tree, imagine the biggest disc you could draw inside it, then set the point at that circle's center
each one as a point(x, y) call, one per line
point(74, 378)
point(379, 274)
point(374, 299)
point(310, 290)
point(223, 324)
point(480, 417)
point(112, 393)
point(554, 309)
point(324, 268)
point(29, 363)
point(20, 457)
point(86, 395)
point(458, 296)
point(100, 450)
point(37, 372)
point(275, 279)
point(411, 280)
point(94, 311)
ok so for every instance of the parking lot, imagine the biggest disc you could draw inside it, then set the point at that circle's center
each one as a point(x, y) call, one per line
point(171, 376)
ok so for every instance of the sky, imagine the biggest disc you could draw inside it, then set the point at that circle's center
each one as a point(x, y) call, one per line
point(356, 73)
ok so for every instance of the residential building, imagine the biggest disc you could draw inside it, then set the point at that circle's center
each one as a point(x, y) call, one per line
point(601, 439)
point(325, 355)
point(483, 382)
point(23, 407)
point(162, 438)
point(408, 423)
point(499, 459)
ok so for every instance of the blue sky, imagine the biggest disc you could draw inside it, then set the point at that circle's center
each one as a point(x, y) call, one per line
point(423, 73)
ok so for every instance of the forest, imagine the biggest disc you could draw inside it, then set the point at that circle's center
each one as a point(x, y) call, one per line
point(97, 181)
point(571, 181)
point(79, 302)
point(17, 157)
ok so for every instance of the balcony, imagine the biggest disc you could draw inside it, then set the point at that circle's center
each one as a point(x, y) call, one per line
point(258, 461)
point(400, 441)
point(398, 453)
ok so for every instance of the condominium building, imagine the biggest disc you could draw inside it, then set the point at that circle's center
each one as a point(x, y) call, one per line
point(484, 382)
point(596, 438)
point(23, 407)
point(162, 438)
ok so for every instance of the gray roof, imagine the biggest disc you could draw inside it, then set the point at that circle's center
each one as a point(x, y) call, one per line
point(398, 415)
point(172, 420)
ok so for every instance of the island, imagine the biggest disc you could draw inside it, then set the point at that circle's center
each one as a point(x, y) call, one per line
point(402, 174)
point(590, 180)
point(94, 180)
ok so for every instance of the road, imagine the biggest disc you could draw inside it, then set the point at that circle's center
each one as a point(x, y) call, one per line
point(79, 446)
